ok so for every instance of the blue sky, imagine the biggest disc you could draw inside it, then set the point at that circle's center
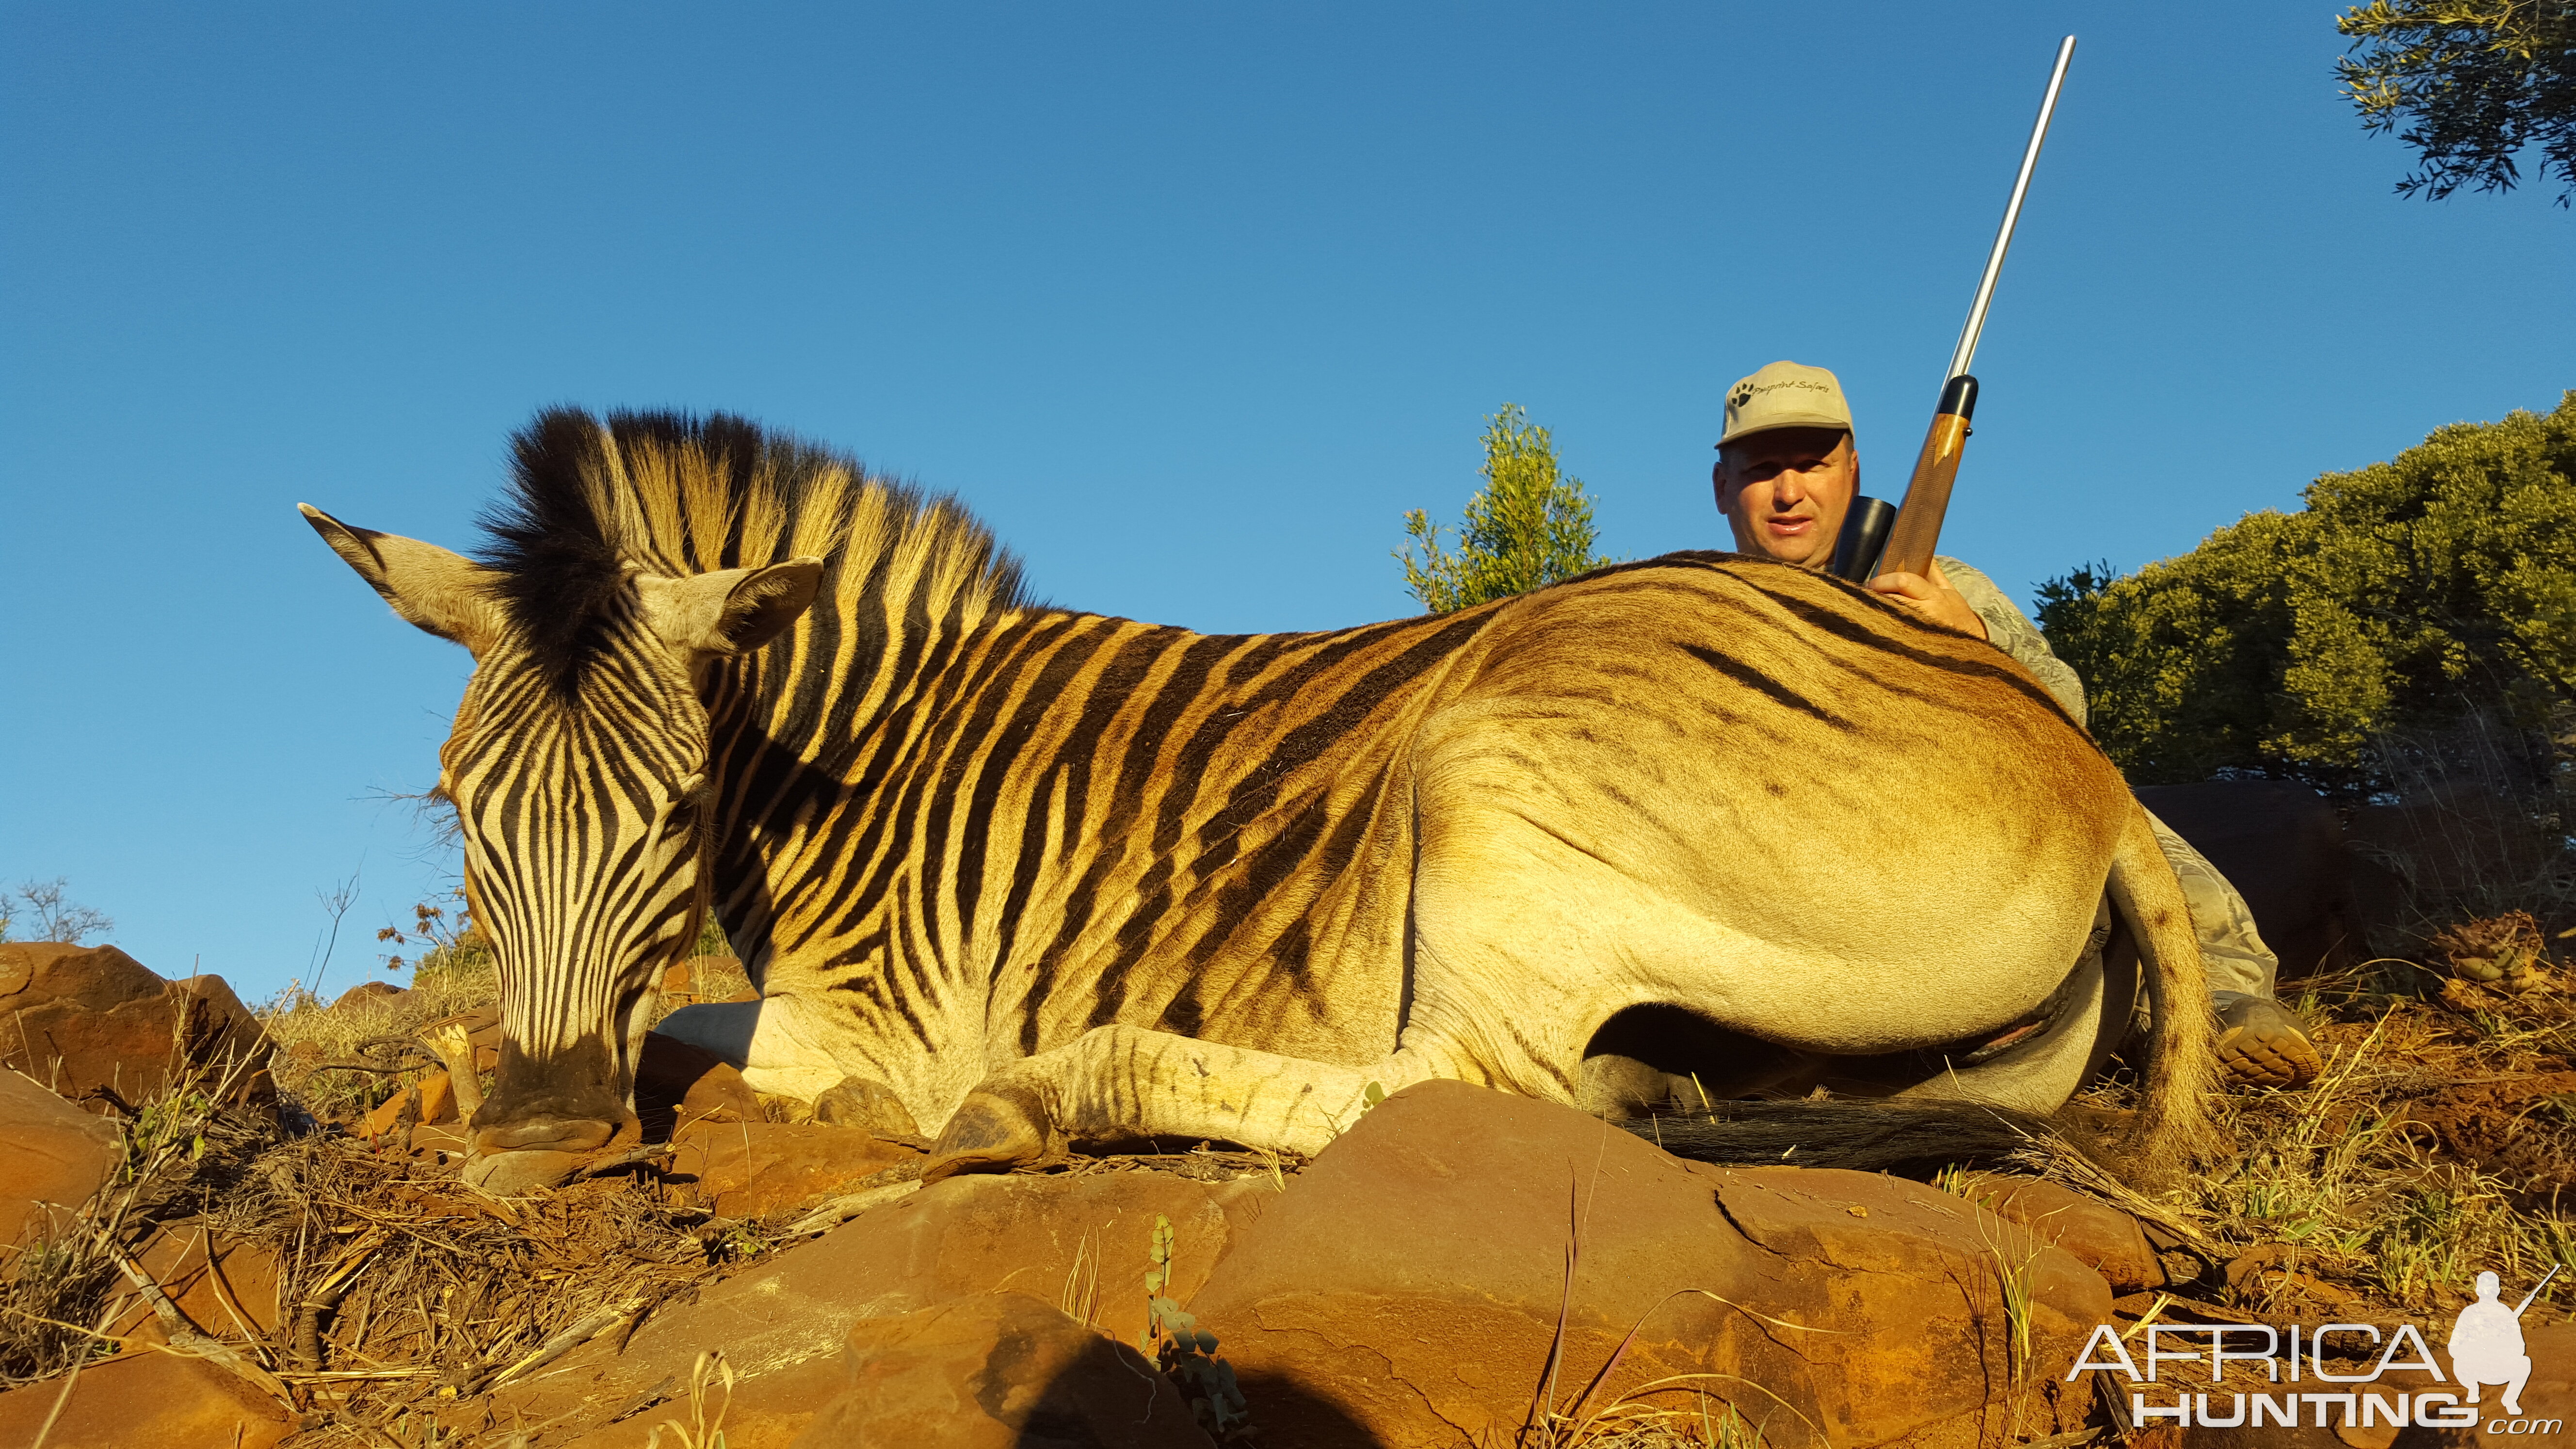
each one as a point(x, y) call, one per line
point(1190, 302)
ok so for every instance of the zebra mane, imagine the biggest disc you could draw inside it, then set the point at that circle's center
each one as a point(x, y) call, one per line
point(677, 494)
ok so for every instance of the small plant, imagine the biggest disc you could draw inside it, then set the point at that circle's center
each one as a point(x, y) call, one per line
point(1731, 1432)
point(1528, 527)
point(448, 939)
point(1080, 1299)
point(2013, 1275)
point(737, 1243)
point(1186, 1352)
point(711, 1372)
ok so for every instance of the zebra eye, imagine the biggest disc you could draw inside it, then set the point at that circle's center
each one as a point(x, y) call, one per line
point(688, 788)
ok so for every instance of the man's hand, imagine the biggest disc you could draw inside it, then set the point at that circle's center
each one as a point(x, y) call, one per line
point(1933, 598)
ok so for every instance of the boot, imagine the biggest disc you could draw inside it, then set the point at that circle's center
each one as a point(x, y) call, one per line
point(2260, 1044)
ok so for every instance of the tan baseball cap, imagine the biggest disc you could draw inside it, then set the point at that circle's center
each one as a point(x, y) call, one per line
point(1785, 395)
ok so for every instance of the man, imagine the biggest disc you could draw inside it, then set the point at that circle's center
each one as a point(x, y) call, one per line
point(1788, 468)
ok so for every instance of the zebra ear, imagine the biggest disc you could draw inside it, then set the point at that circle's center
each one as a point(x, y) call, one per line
point(440, 591)
point(730, 611)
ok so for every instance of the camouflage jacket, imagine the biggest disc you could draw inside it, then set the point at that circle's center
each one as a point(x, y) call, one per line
point(2011, 631)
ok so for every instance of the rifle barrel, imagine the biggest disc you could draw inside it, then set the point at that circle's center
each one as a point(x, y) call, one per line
point(1917, 530)
point(2535, 1289)
point(1966, 352)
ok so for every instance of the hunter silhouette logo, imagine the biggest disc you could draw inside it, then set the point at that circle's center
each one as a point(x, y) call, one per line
point(2486, 1342)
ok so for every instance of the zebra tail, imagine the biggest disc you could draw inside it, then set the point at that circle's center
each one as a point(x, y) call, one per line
point(2172, 1130)
point(1908, 1137)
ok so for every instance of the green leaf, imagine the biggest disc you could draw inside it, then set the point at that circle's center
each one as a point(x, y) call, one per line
point(1528, 527)
point(2428, 594)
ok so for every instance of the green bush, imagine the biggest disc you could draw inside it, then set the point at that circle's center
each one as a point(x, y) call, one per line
point(1528, 527)
point(2407, 598)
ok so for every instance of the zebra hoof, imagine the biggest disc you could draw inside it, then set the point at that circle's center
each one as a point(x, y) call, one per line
point(993, 1130)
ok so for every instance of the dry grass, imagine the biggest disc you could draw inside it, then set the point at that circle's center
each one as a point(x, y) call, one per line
point(418, 1291)
point(183, 1154)
point(411, 1292)
point(717, 977)
point(2440, 1141)
point(312, 1035)
point(1705, 1421)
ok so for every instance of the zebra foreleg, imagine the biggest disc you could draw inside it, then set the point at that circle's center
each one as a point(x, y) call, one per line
point(1117, 1083)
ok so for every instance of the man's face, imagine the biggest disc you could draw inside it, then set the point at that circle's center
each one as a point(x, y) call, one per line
point(1785, 491)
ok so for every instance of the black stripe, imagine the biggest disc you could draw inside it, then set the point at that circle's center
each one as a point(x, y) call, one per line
point(1772, 689)
point(1857, 632)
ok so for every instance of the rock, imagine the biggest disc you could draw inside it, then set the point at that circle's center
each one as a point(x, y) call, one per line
point(754, 1169)
point(679, 1084)
point(365, 992)
point(2102, 1237)
point(53, 1156)
point(1407, 1290)
point(1076, 1240)
point(437, 1104)
point(1079, 1241)
point(706, 978)
point(482, 1028)
point(770, 1408)
point(84, 1020)
point(146, 1398)
point(2282, 846)
point(999, 1372)
point(228, 1290)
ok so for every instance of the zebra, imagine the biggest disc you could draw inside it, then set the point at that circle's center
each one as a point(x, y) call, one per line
point(1014, 877)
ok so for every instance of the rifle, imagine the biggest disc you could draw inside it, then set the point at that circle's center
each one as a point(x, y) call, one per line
point(1877, 539)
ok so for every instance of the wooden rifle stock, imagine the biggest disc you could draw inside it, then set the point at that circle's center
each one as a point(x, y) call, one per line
point(1927, 494)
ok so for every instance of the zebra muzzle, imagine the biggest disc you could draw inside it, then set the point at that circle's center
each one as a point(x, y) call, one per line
point(549, 1134)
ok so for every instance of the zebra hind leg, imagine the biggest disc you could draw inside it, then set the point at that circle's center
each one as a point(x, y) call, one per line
point(1123, 1083)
